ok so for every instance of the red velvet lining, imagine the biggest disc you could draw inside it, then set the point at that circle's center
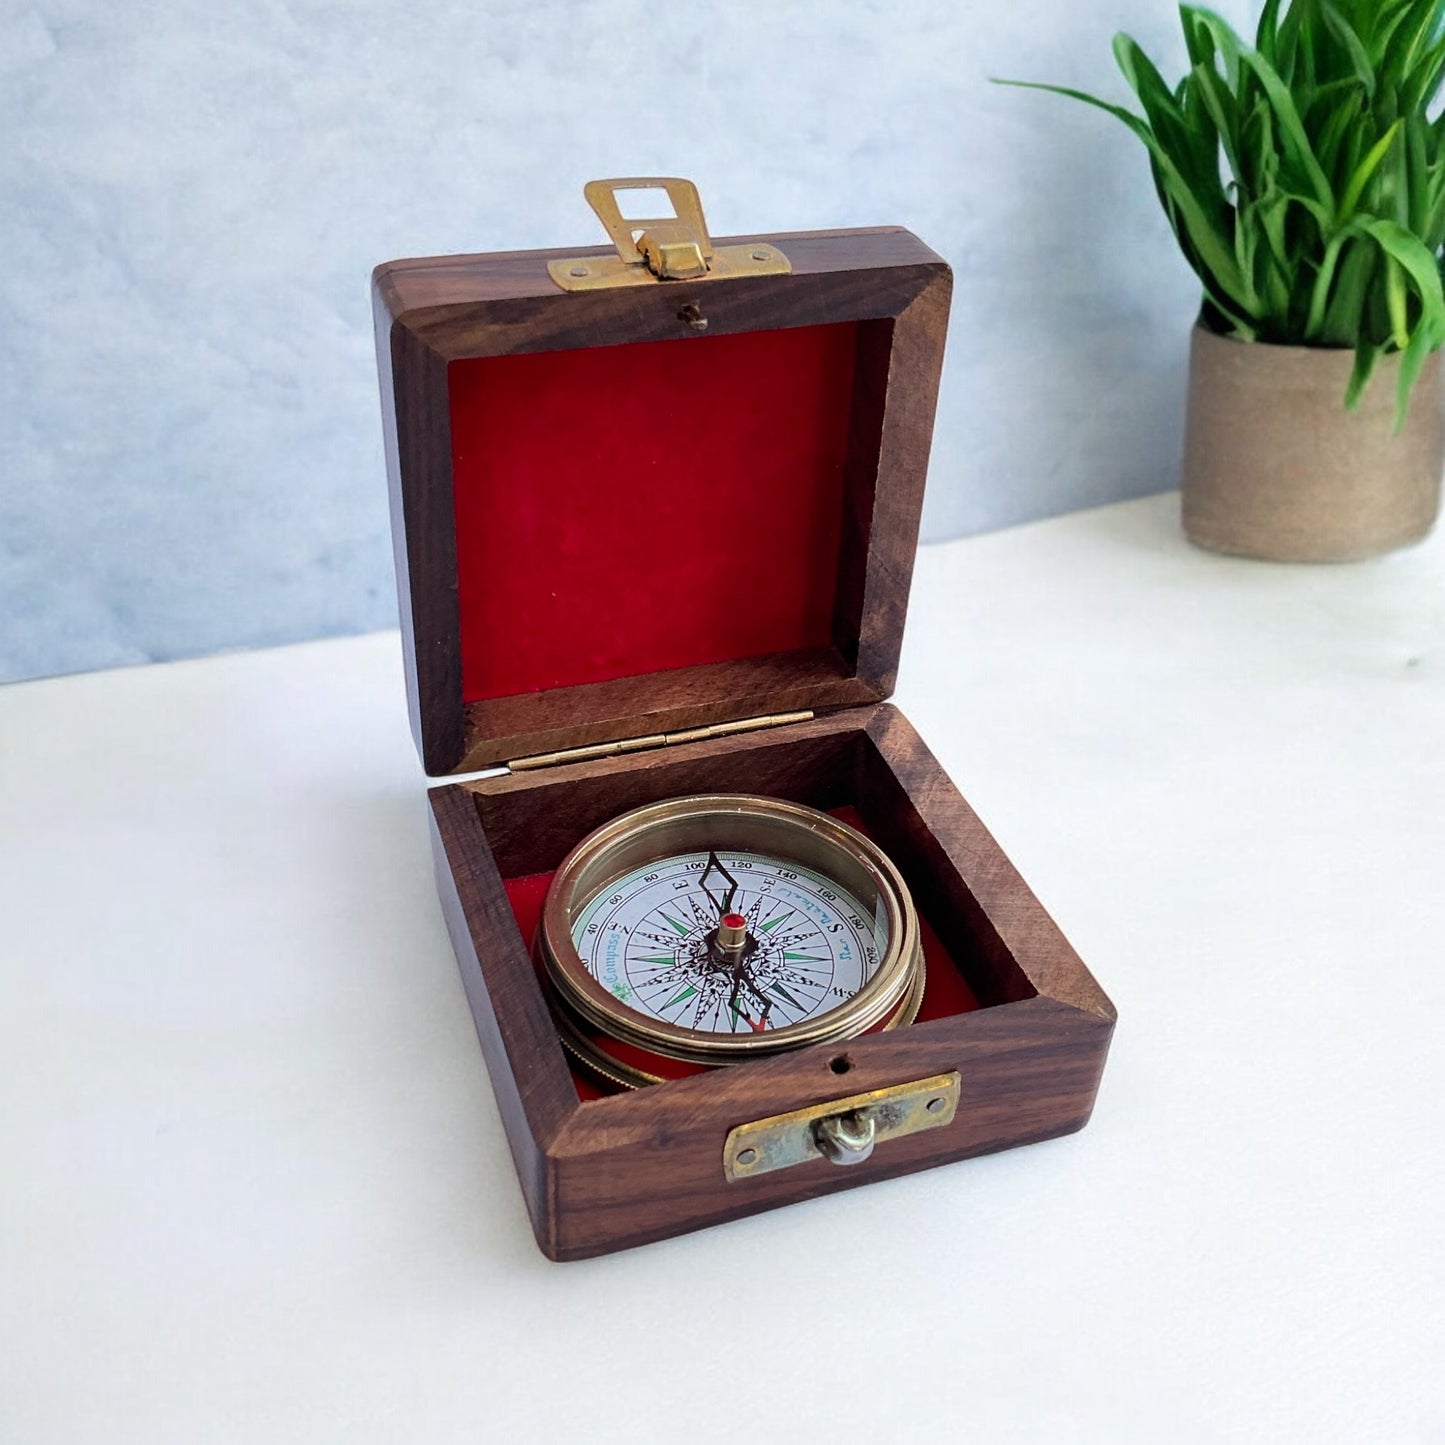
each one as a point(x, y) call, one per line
point(945, 992)
point(623, 509)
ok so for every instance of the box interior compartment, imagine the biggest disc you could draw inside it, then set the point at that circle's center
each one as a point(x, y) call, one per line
point(533, 823)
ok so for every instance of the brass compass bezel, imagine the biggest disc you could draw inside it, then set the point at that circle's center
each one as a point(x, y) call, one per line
point(728, 821)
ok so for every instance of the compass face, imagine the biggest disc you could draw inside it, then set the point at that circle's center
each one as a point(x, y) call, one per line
point(811, 944)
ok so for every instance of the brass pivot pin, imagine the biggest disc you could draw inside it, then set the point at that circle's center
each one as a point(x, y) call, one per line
point(732, 933)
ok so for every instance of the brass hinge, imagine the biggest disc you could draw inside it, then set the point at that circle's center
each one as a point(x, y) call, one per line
point(654, 740)
point(668, 248)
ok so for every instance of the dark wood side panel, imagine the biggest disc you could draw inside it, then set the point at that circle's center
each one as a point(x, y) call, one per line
point(637, 1168)
point(860, 483)
point(505, 728)
point(915, 364)
point(532, 819)
point(931, 815)
point(530, 1076)
point(424, 541)
point(391, 442)
point(889, 778)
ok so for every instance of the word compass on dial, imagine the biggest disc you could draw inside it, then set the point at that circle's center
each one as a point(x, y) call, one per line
point(707, 930)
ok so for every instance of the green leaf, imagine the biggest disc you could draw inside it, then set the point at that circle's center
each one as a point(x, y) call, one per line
point(1268, 29)
point(1194, 153)
point(1421, 84)
point(1364, 171)
point(1324, 282)
point(1422, 265)
point(1218, 103)
point(1346, 319)
point(1354, 48)
point(1366, 355)
point(1427, 22)
point(1415, 182)
point(1395, 300)
point(1387, 24)
point(1422, 343)
point(1203, 231)
point(1292, 131)
point(1198, 41)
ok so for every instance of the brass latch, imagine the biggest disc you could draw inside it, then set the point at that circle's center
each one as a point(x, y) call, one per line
point(844, 1131)
point(665, 248)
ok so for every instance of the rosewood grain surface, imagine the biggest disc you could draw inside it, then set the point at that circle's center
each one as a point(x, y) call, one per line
point(682, 697)
point(529, 1076)
point(899, 364)
point(532, 819)
point(416, 429)
point(427, 284)
point(430, 312)
point(620, 1171)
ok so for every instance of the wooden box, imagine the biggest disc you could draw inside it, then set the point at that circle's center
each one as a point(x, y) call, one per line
point(636, 523)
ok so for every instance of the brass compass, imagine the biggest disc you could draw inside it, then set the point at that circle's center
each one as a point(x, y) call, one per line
point(711, 929)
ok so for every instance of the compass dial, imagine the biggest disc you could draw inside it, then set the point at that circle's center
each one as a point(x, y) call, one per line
point(714, 928)
point(650, 942)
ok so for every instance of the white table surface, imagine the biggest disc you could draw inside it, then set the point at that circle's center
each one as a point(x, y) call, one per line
point(253, 1186)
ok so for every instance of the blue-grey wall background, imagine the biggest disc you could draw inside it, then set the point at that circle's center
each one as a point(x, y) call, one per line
point(192, 196)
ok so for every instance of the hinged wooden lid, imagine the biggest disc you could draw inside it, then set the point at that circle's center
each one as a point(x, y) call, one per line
point(660, 505)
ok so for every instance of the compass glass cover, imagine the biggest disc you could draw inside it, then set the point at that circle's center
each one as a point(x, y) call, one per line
point(812, 945)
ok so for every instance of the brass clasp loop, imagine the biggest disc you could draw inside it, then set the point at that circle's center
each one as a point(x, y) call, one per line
point(675, 247)
point(661, 248)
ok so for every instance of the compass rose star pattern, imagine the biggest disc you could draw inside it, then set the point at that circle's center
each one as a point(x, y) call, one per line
point(811, 944)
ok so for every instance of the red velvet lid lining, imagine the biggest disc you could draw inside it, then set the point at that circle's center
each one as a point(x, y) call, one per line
point(626, 509)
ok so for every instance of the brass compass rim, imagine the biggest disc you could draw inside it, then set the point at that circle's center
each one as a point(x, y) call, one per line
point(612, 1070)
point(660, 830)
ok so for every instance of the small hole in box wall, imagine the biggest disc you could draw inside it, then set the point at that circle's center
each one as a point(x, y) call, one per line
point(841, 1064)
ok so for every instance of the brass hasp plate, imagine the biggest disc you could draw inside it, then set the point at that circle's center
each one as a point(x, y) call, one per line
point(844, 1131)
point(665, 248)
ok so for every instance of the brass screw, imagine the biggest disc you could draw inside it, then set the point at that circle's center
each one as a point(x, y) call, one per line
point(578, 271)
point(761, 255)
point(748, 1156)
point(935, 1106)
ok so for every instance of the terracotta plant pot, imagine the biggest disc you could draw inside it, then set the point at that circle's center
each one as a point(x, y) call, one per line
point(1276, 468)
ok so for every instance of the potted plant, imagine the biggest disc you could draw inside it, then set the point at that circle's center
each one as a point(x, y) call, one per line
point(1304, 179)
